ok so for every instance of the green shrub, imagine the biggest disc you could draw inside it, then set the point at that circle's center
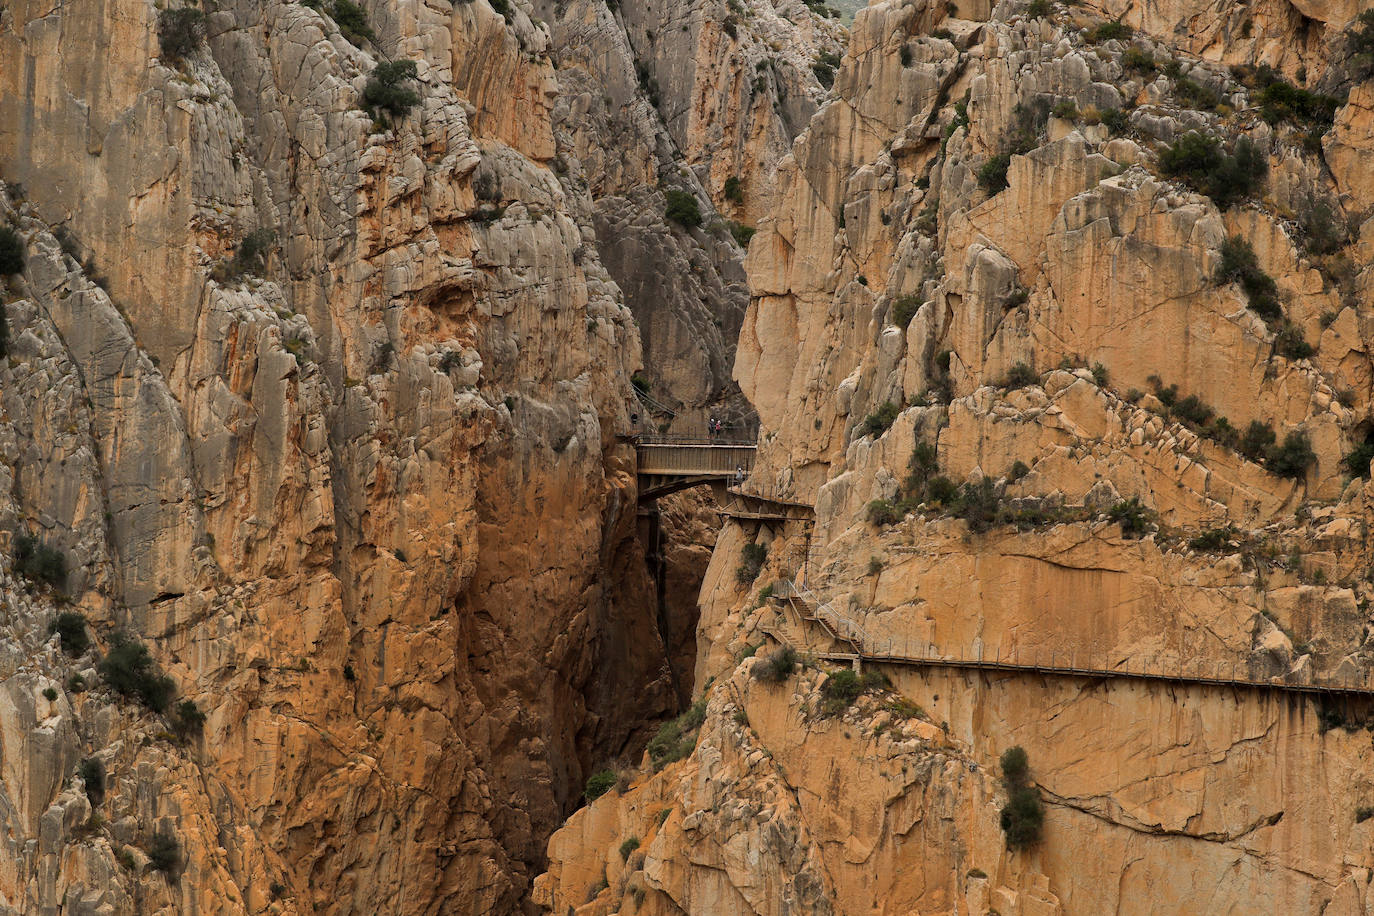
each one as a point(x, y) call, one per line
point(842, 688)
point(1018, 470)
point(1100, 375)
point(883, 512)
point(384, 91)
point(1192, 94)
point(92, 773)
point(1199, 161)
point(881, 420)
point(11, 252)
point(39, 563)
point(1357, 462)
point(734, 189)
point(1192, 410)
point(641, 382)
point(904, 309)
point(979, 505)
point(905, 55)
point(777, 666)
point(827, 62)
point(1290, 343)
point(598, 785)
point(1136, 59)
point(682, 208)
point(1213, 539)
point(1239, 265)
point(741, 233)
point(504, 8)
point(50, 694)
point(1115, 120)
point(992, 177)
point(1039, 9)
point(675, 739)
point(1133, 517)
point(250, 257)
point(1292, 458)
point(1258, 439)
point(1024, 814)
point(352, 22)
point(179, 31)
point(628, 847)
point(70, 627)
point(1360, 39)
point(164, 853)
point(187, 719)
point(942, 490)
point(752, 556)
point(875, 566)
point(1020, 376)
point(1282, 101)
point(1363, 813)
point(1108, 31)
point(131, 672)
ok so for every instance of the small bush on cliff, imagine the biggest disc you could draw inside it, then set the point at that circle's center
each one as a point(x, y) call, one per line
point(11, 252)
point(39, 563)
point(131, 672)
point(1019, 376)
point(675, 740)
point(352, 22)
point(827, 62)
point(734, 189)
point(881, 420)
point(682, 208)
point(1133, 517)
point(188, 720)
point(385, 90)
point(250, 257)
point(1240, 265)
point(1292, 458)
point(164, 853)
point(1258, 439)
point(741, 233)
point(628, 847)
point(92, 773)
point(904, 309)
point(1109, 31)
point(179, 31)
point(1357, 462)
point(842, 688)
point(71, 629)
point(1290, 343)
point(598, 784)
point(1361, 42)
point(992, 177)
point(777, 666)
point(883, 512)
point(979, 505)
point(752, 558)
point(1200, 162)
point(1024, 814)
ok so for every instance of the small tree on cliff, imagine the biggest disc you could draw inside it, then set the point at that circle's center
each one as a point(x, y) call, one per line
point(1024, 814)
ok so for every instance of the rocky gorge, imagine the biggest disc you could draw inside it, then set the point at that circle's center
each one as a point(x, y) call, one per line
point(330, 332)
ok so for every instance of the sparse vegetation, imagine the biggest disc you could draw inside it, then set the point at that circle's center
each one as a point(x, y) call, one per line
point(904, 309)
point(187, 719)
point(1020, 376)
point(1290, 343)
point(39, 563)
point(179, 31)
point(11, 252)
point(1192, 94)
point(682, 208)
point(777, 666)
point(992, 176)
point(1133, 517)
point(883, 512)
point(1357, 461)
point(734, 189)
point(1292, 458)
point(1039, 9)
point(1115, 120)
point(352, 21)
point(881, 420)
point(1200, 162)
point(70, 627)
point(598, 784)
point(1361, 43)
point(1066, 110)
point(1239, 265)
point(1109, 31)
point(92, 773)
point(628, 847)
point(250, 257)
point(1024, 814)
point(164, 853)
point(385, 90)
point(752, 558)
point(842, 688)
point(131, 672)
point(1213, 539)
point(675, 739)
point(741, 233)
point(1137, 60)
point(825, 65)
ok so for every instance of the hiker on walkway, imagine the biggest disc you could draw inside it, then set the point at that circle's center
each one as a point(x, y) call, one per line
point(739, 475)
point(711, 425)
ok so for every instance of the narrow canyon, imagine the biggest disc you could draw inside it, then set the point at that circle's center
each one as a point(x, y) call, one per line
point(582, 457)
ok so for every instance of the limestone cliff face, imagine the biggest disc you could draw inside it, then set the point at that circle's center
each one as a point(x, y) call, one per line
point(977, 270)
point(365, 498)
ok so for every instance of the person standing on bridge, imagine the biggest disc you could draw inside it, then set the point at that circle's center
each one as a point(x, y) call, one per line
point(739, 475)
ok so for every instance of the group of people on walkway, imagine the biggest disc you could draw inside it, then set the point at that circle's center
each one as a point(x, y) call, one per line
point(714, 427)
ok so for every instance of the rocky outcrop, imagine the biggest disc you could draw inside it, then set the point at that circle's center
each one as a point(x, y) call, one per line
point(362, 488)
point(991, 342)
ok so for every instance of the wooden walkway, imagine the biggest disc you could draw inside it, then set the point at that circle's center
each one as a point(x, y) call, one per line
point(855, 646)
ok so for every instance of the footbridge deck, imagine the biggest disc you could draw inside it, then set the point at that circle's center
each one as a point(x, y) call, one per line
point(666, 465)
point(853, 645)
